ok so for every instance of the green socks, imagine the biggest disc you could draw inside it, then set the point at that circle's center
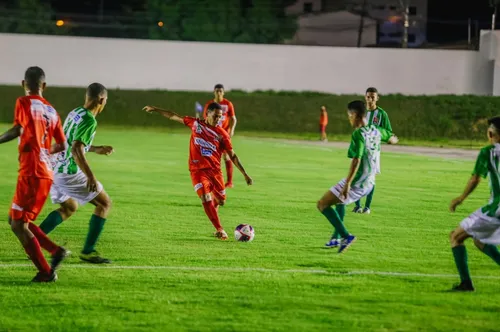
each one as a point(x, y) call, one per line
point(334, 219)
point(460, 255)
point(51, 222)
point(341, 211)
point(492, 252)
point(369, 198)
point(95, 228)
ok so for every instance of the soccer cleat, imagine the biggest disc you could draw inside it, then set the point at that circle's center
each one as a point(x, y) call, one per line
point(229, 185)
point(333, 243)
point(221, 234)
point(58, 257)
point(346, 243)
point(464, 286)
point(94, 258)
point(357, 209)
point(366, 210)
point(44, 277)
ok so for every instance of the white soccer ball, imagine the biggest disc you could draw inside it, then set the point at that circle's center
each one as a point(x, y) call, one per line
point(244, 233)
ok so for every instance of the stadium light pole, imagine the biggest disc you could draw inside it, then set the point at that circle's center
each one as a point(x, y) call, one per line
point(405, 6)
point(361, 23)
point(101, 10)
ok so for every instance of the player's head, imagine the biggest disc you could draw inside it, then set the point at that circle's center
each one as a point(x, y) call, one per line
point(34, 80)
point(323, 109)
point(96, 97)
point(219, 91)
point(371, 96)
point(214, 114)
point(356, 111)
point(494, 130)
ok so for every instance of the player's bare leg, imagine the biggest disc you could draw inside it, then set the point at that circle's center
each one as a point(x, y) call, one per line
point(211, 211)
point(229, 171)
point(56, 217)
point(457, 238)
point(324, 206)
point(34, 251)
point(102, 204)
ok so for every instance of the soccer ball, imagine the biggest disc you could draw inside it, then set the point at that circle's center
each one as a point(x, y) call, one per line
point(244, 233)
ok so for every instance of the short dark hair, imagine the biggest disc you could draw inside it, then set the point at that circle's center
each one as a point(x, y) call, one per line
point(495, 121)
point(96, 91)
point(213, 107)
point(358, 107)
point(372, 90)
point(219, 86)
point(34, 77)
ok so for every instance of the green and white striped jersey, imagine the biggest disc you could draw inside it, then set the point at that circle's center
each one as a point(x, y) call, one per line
point(487, 165)
point(379, 118)
point(80, 125)
point(365, 145)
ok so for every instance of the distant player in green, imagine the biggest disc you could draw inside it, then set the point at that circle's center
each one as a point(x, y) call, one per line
point(483, 225)
point(376, 116)
point(74, 182)
point(364, 151)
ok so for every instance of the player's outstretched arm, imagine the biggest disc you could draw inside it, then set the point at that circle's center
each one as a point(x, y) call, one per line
point(168, 114)
point(102, 149)
point(469, 188)
point(237, 163)
point(78, 152)
point(232, 125)
point(353, 169)
point(57, 147)
point(10, 134)
point(393, 140)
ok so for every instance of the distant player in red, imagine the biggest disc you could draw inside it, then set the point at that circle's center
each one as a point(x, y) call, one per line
point(323, 122)
point(227, 122)
point(36, 122)
point(208, 143)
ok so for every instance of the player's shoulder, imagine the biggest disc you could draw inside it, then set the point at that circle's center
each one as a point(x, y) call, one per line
point(222, 132)
point(381, 110)
point(486, 150)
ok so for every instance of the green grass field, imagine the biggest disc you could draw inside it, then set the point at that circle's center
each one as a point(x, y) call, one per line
point(170, 274)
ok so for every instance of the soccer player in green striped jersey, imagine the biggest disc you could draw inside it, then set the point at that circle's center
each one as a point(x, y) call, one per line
point(483, 225)
point(376, 116)
point(74, 182)
point(364, 151)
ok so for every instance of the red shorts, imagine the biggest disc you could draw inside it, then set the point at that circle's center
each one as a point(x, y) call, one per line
point(31, 194)
point(207, 181)
point(322, 128)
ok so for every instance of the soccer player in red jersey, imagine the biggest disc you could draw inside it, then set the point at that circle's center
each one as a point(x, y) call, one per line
point(208, 143)
point(227, 122)
point(36, 122)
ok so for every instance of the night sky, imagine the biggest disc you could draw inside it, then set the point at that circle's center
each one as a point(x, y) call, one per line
point(447, 18)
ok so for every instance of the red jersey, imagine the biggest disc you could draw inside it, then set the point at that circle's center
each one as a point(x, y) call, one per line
point(227, 112)
point(206, 145)
point(323, 119)
point(40, 123)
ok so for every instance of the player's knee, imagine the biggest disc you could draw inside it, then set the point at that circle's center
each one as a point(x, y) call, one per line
point(479, 244)
point(222, 202)
point(18, 226)
point(205, 198)
point(320, 205)
point(455, 239)
point(68, 209)
point(106, 204)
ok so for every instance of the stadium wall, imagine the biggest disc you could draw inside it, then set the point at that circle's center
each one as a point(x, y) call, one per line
point(195, 66)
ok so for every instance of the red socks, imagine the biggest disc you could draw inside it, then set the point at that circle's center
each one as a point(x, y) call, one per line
point(229, 171)
point(35, 252)
point(212, 214)
point(42, 238)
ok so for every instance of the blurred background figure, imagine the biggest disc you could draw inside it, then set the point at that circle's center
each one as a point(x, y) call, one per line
point(323, 122)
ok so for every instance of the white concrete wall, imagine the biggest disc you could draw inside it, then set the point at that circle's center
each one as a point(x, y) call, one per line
point(144, 64)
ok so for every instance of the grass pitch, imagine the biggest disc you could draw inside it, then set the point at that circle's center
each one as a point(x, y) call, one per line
point(170, 274)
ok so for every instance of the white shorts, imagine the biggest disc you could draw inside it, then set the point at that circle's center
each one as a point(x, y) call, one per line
point(66, 186)
point(482, 227)
point(354, 195)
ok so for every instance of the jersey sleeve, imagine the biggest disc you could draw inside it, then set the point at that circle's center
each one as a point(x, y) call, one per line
point(481, 166)
point(20, 116)
point(189, 121)
point(226, 142)
point(85, 131)
point(385, 134)
point(386, 124)
point(230, 110)
point(357, 146)
point(59, 136)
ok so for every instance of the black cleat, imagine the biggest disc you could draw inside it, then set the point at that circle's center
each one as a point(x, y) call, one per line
point(58, 257)
point(94, 258)
point(464, 286)
point(43, 277)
